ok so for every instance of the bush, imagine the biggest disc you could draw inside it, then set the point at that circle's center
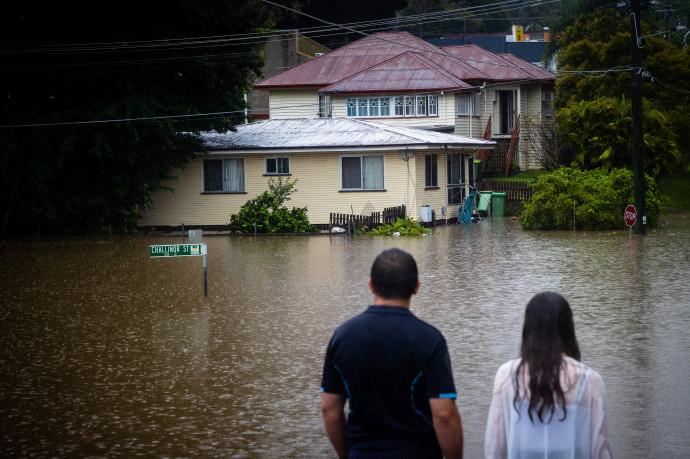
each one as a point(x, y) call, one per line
point(598, 198)
point(403, 226)
point(269, 213)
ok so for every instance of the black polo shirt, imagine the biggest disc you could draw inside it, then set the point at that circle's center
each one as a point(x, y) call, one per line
point(389, 364)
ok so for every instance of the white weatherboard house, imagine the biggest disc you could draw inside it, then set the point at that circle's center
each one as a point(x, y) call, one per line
point(342, 165)
point(398, 79)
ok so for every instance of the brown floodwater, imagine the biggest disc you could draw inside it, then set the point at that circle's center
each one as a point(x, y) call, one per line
point(105, 352)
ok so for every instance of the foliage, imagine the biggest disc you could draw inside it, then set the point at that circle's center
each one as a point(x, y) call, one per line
point(67, 165)
point(600, 41)
point(677, 190)
point(549, 143)
point(403, 227)
point(598, 199)
point(269, 214)
point(600, 131)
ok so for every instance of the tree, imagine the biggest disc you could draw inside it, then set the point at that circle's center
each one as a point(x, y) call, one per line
point(69, 70)
point(594, 97)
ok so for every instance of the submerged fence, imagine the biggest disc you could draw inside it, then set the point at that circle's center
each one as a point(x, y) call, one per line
point(350, 222)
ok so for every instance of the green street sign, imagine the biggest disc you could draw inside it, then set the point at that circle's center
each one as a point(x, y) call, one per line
point(177, 250)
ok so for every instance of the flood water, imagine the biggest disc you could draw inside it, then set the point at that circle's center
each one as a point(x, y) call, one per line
point(105, 352)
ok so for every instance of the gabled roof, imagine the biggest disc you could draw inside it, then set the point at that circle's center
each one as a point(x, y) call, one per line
point(409, 71)
point(534, 71)
point(332, 134)
point(368, 64)
point(501, 67)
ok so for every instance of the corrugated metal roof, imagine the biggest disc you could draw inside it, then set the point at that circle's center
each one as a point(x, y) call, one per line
point(332, 133)
point(533, 70)
point(407, 72)
point(493, 65)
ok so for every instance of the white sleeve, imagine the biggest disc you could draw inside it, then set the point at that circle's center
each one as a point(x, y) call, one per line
point(495, 442)
point(601, 448)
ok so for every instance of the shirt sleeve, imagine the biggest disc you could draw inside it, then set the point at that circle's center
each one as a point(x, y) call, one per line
point(332, 380)
point(601, 448)
point(495, 442)
point(440, 382)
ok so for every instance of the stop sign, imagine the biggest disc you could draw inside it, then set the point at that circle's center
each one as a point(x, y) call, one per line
point(630, 215)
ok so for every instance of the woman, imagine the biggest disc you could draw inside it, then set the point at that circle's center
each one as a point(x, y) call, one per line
point(547, 404)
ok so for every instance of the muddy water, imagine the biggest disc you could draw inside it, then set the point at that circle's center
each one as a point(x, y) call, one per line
point(105, 352)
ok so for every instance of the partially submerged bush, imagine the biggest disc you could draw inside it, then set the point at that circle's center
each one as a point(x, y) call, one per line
point(269, 214)
point(597, 197)
point(403, 227)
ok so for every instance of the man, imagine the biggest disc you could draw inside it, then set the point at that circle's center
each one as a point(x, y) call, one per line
point(395, 371)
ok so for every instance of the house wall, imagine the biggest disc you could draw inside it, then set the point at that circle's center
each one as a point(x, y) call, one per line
point(318, 188)
point(298, 103)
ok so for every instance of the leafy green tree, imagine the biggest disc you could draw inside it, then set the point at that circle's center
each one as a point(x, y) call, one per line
point(268, 212)
point(595, 199)
point(70, 70)
point(594, 95)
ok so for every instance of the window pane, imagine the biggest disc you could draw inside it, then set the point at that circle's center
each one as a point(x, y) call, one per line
point(233, 174)
point(399, 106)
point(373, 107)
point(372, 172)
point(456, 194)
point(351, 172)
point(433, 105)
point(362, 107)
point(213, 175)
point(271, 166)
point(463, 104)
point(409, 105)
point(476, 104)
point(351, 105)
point(431, 170)
point(454, 168)
point(283, 165)
point(385, 107)
point(421, 105)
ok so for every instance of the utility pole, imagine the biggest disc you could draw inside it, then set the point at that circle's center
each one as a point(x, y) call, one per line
point(639, 182)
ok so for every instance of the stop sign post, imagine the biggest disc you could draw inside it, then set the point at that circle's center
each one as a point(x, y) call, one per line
point(630, 215)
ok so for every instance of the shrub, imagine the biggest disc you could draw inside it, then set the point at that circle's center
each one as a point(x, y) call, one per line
point(269, 214)
point(597, 197)
point(403, 226)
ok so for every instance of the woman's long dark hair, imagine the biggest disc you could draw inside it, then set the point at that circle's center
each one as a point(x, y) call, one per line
point(547, 334)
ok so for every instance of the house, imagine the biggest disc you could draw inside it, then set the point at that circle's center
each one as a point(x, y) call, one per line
point(342, 165)
point(398, 79)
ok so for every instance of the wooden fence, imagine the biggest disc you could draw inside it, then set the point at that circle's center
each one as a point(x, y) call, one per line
point(515, 191)
point(375, 219)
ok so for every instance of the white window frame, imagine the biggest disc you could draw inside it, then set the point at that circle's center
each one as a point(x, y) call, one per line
point(392, 106)
point(547, 98)
point(362, 171)
point(476, 104)
point(280, 163)
point(225, 162)
point(433, 105)
point(463, 105)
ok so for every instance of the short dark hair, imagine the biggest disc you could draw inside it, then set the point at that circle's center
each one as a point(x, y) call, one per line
point(394, 274)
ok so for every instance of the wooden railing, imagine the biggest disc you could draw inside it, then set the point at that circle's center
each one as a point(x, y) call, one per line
point(514, 140)
point(515, 191)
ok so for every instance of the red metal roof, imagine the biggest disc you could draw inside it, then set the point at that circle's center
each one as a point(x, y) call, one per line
point(409, 71)
point(533, 70)
point(373, 64)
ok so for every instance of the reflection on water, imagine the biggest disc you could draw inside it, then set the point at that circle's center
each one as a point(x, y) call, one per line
point(105, 352)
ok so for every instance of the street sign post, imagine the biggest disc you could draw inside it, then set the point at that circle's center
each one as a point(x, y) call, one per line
point(181, 250)
point(630, 215)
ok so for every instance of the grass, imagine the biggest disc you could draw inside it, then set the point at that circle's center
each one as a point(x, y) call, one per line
point(521, 176)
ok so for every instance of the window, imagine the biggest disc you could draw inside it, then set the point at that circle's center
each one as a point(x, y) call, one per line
point(456, 178)
point(469, 103)
point(421, 105)
point(476, 104)
point(431, 171)
point(463, 104)
point(223, 175)
point(276, 166)
point(433, 105)
point(374, 107)
point(547, 104)
point(325, 106)
point(361, 172)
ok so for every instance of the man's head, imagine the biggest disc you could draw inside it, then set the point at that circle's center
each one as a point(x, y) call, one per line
point(394, 275)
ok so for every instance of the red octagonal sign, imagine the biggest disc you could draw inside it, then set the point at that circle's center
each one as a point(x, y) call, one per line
point(630, 215)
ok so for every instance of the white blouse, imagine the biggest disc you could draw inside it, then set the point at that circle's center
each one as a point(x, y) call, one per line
point(583, 434)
